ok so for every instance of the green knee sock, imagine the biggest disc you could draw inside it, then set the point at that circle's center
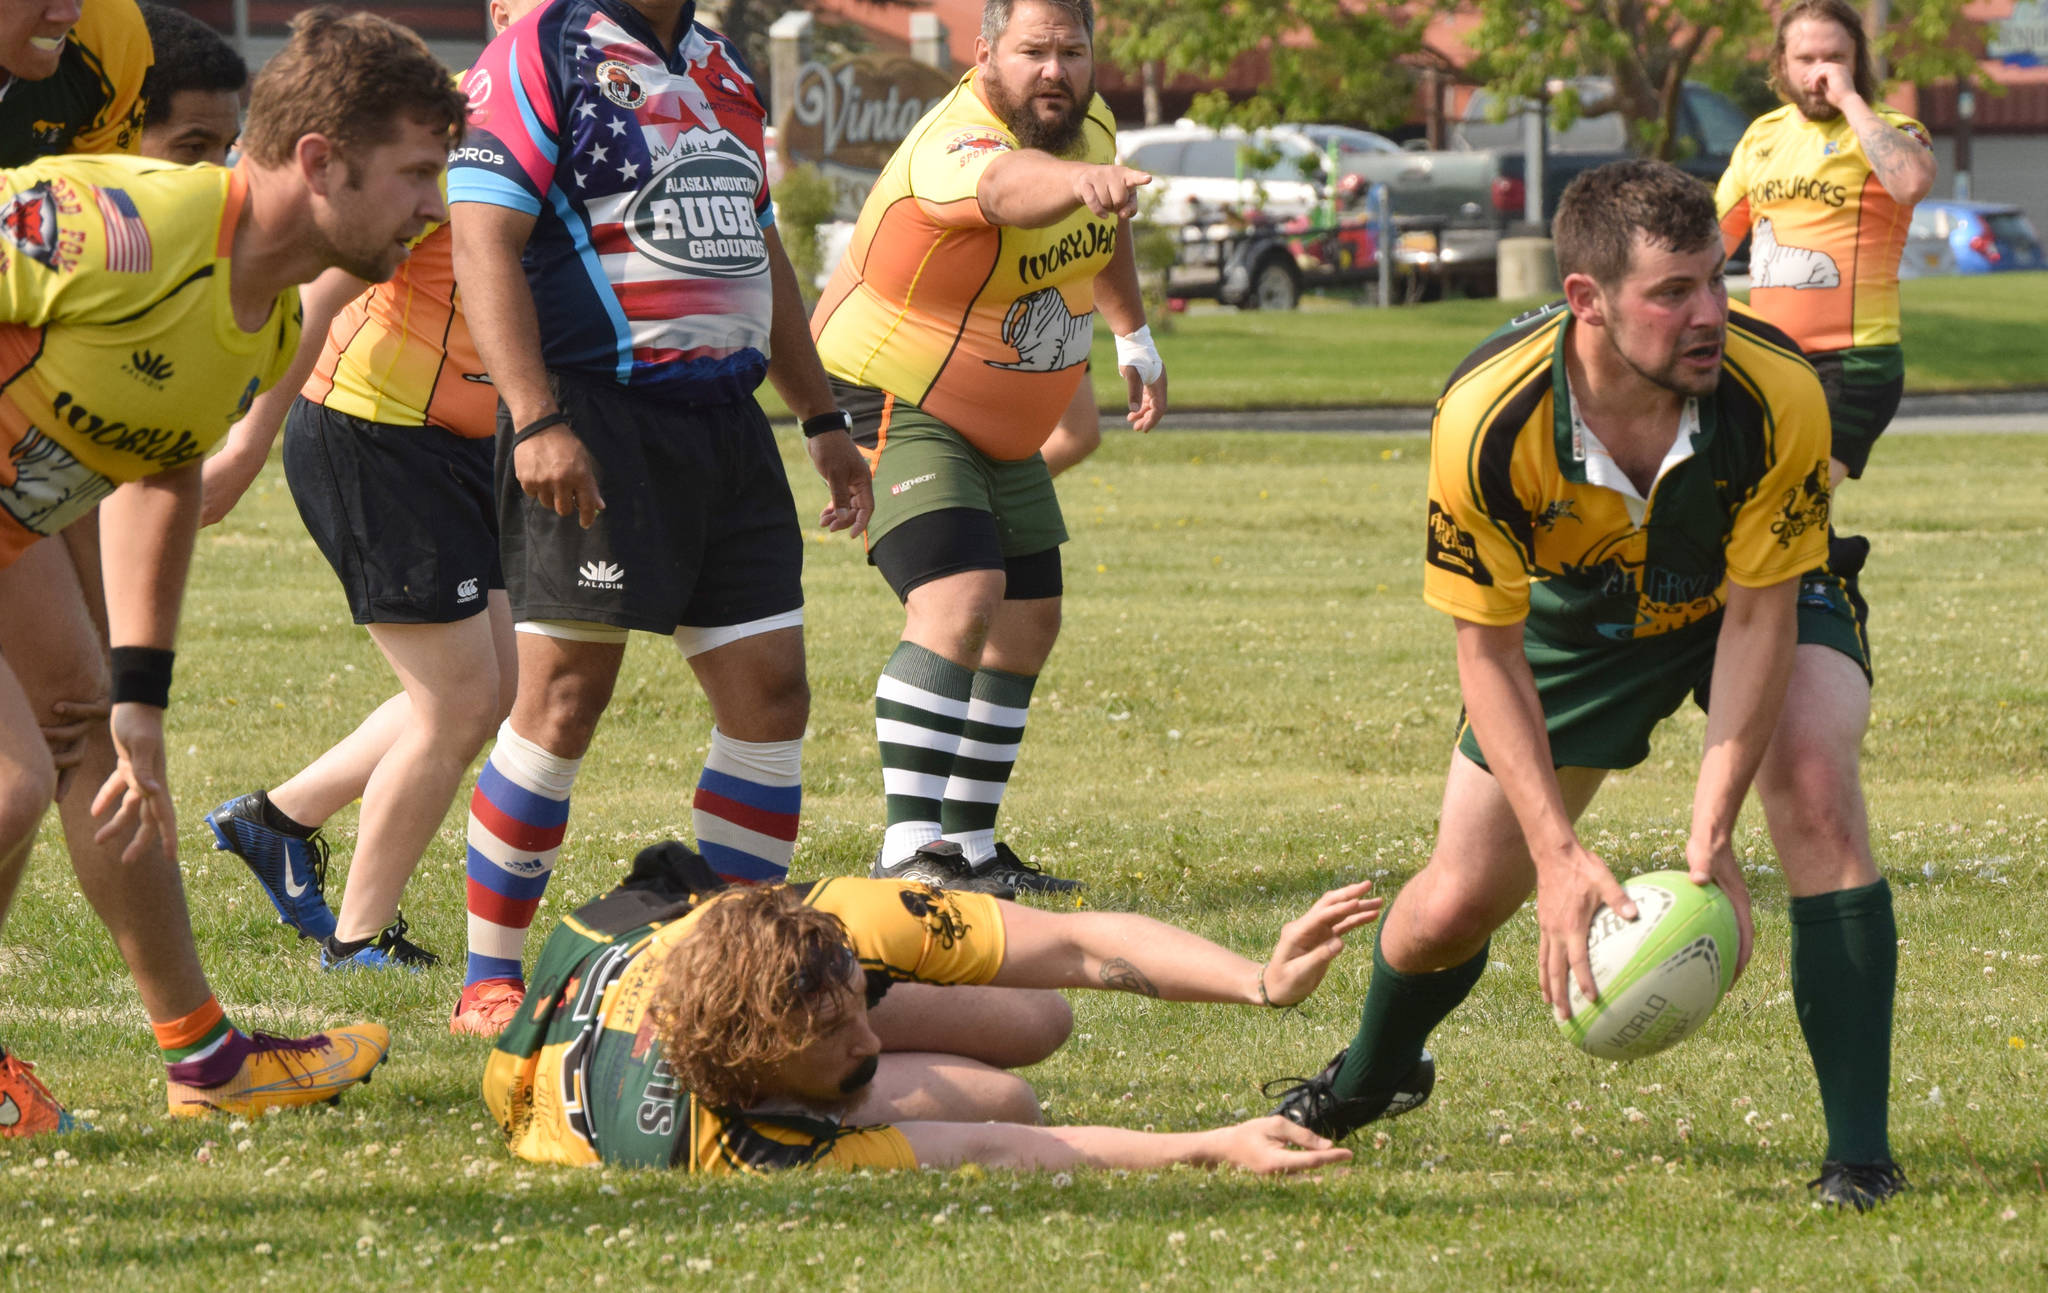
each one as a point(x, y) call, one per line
point(1845, 967)
point(1400, 1011)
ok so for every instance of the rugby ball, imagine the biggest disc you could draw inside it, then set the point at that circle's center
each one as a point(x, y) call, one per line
point(1659, 975)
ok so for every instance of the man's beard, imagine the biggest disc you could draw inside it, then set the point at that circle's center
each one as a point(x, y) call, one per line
point(1033, 132)
point(1813, 107)
point(1674, 376)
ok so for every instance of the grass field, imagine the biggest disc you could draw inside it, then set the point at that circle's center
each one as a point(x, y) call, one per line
point(1981, 333)
point(1250, 703)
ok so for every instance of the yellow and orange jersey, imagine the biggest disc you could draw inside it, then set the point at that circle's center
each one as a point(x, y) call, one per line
point(985, 327)
point(1825, 235)
point(401, 354)
point(120, 355)
point(93, 102)
point(579, 1077)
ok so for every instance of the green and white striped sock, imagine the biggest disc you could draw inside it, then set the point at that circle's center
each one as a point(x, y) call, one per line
point(921, 703)
point(996, 710)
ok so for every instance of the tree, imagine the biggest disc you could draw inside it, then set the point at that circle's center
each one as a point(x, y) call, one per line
point(1330, 60)
point(1649, 48)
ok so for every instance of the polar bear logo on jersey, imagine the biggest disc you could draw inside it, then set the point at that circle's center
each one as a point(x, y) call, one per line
point(1774, 264)
point(1047, 335)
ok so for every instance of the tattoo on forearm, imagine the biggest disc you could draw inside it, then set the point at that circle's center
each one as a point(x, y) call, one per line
point(1892, 155)
point(1119, 975)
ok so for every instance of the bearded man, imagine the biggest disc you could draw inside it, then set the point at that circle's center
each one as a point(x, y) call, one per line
point(955, 333)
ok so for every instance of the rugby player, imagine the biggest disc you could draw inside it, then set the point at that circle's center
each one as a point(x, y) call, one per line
point(1624, 493)
point(956, 330)
point(71, 76)
point(614, 186)
point(142, 307)
point(679, 1022)
point(192, 97)
point(1824, 188)
point(389, 421)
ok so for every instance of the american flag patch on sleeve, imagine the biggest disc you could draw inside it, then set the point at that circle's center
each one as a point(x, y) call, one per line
point(128, 248)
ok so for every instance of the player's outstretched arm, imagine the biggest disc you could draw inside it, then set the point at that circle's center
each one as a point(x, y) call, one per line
point(1029, 189)
point(1752, 663)
point(1130, 953)
point(1263, 1145)
point(1571, 882)
point(240, 458)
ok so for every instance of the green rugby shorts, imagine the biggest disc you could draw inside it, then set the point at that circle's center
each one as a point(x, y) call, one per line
point(1600, 703)
point(922, 465)
point(1863, 385)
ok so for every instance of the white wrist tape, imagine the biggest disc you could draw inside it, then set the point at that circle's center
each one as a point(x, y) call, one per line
point(1137, 352)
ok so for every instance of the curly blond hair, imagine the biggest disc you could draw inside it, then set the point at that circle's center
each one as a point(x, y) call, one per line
point(759, 978)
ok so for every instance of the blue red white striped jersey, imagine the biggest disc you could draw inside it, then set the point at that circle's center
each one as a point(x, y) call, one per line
point(645, 174)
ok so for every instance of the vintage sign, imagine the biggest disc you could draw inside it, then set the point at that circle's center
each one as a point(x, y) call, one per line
point(2020, 40)
point(847, 118)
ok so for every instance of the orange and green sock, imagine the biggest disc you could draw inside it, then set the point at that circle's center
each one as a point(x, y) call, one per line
point(202, 1048)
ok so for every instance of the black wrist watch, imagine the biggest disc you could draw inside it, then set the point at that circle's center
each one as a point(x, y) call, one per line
point(825, 423)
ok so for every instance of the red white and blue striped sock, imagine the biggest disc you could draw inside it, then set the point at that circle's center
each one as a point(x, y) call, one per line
point(516, 820)
point(746, 808)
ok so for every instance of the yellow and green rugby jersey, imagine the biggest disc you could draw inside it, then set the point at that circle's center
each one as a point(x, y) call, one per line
point(1516, 531)
point(119, 352)
point(1825, 235)
point(578, 1077)
point(984, 327)
point(93, 102)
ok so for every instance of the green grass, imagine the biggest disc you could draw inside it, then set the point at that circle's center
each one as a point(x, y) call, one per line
point(1982, 333)
point(1249, 703)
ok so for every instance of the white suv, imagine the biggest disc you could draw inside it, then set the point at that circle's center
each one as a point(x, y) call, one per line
point(1201, 174)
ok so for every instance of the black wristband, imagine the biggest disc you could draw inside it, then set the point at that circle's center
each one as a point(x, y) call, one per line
point(538, 425)
point(827, 423)
point(142, 675)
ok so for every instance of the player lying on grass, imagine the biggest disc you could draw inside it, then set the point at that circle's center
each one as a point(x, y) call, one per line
point(678, 1022)
point(142, 306)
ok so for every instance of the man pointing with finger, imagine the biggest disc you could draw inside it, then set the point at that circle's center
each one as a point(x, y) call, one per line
point(955, 333)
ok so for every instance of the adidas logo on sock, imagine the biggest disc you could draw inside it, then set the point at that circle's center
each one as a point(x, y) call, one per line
point(601, 574)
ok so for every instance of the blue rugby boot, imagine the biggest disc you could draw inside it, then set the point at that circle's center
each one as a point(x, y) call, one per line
point(291, 868)
point(389, 950)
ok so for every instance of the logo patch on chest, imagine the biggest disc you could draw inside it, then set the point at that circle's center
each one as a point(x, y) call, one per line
point(615, 80)
point(697, 215)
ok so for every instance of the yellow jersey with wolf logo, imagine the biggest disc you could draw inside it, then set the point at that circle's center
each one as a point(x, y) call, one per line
point(985, 327)
point(120, 356)
point(579, 1076)
point(1825, 235)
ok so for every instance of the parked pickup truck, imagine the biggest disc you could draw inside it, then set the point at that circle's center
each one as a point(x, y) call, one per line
point(1477, 187)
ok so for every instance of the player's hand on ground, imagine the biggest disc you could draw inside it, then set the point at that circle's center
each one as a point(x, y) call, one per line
point(1567, 895)
point(136, 799)
point(224, 478)
point(556, 471)
point(1719, 865)
point(1273, 1144)
point(1308, 944)
point(846, 474)
point(65, 733)
point(1109, 190)
point(1147, 399)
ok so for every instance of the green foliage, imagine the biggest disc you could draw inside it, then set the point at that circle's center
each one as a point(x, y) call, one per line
point(803, 201)
point(1649, 50)
point(1350, 71)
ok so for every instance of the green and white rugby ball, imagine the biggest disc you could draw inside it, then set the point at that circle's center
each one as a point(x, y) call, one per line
point(1659, 975)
